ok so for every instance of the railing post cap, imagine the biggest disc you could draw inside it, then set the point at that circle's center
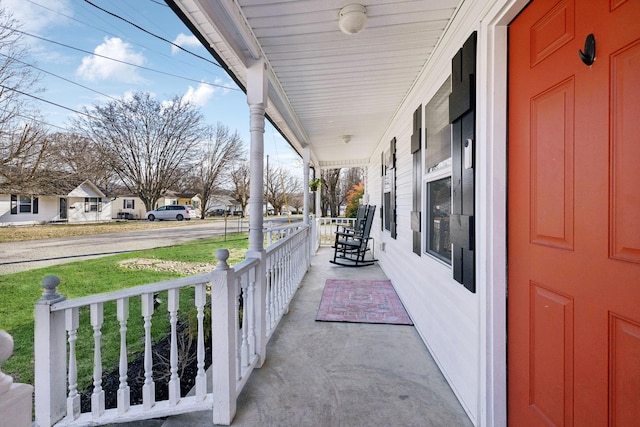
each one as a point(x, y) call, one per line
point(6, 350)
point(50, 283)
point(6, 346)
point(222, 255)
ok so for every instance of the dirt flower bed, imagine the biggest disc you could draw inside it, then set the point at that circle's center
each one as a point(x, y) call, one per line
point(186, 268)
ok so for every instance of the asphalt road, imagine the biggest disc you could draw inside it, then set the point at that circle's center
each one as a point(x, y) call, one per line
point(31, 254)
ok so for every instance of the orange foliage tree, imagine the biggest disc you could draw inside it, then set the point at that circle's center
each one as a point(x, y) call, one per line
point(353, 199)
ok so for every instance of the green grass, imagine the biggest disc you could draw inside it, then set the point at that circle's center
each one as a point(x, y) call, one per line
point(77, 279)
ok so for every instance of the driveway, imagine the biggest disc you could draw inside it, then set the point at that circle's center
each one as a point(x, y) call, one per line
point(31, 254)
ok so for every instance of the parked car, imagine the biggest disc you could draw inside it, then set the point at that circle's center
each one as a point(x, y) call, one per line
point(178, 212)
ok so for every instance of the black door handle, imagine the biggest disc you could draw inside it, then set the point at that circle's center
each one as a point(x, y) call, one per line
point(589, 54)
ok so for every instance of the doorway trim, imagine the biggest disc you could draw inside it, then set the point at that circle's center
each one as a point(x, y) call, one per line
point(491, 203)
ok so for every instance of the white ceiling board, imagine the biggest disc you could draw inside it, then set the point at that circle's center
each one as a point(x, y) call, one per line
point(329, 84)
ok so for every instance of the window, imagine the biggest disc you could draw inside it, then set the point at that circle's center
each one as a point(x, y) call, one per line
point(23, 204)
point(438, 211)
point(128, 204)
point(438, 168)
point(93, 204)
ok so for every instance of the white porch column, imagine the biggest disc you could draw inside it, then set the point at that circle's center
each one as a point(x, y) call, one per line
point(257, 100)
point(306, 154)
point(318, 194)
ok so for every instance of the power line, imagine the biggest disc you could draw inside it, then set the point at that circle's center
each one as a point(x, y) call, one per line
point(85, 23)
point(48, 102)
point(152, 34)
point(42, 121)
point(117, 60)
point(60, 77)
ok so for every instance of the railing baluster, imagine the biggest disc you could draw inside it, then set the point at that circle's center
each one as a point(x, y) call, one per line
point(270, 316)
point(123, 395)
point(244, 348)
point(237, 289)
point(249, 309)
point(201, 377)
point(97, 397)
point(149, 387)
point(72, 321)
point(174, 381)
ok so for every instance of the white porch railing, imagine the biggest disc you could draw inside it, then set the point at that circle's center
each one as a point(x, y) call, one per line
point(15, 399)
point(274, 234)
point(247, 302)
point(327, 229)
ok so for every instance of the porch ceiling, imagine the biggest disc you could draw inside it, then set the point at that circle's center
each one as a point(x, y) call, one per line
point(324, 84)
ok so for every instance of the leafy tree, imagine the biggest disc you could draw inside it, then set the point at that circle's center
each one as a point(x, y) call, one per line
point(218, 152)
point(353, 200)
point(148, 143)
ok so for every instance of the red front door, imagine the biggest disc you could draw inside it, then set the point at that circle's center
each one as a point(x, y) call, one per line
point(574, 215)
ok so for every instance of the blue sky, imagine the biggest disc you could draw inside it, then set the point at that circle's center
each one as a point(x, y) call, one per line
point(60, 30)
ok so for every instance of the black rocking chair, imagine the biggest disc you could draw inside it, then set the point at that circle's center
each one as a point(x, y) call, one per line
point(352, 245)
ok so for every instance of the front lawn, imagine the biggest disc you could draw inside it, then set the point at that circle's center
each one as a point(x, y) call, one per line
point(82, 278)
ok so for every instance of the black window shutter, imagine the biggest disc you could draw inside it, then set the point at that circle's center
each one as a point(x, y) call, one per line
point(392, 205)
point(35, 205)
point(416, 151)
point(382, 178)
point(133, 203)
point(14, 204)
point(462, 116)
point(124, 203)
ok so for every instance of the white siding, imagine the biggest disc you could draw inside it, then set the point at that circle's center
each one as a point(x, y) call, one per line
point(77, 212)
point(465, 332)
point(47, 211)
point(138, 210)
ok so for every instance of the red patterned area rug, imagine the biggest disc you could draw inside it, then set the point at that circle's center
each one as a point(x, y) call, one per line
point(361, 301)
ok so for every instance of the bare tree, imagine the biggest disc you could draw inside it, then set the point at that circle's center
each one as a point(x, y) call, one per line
point(240, 180)
point(218, 152)
point(22, 139)
point(279, 185)
point(79, 155)
point(296, 201)
point(148, 143)
point(330, 196)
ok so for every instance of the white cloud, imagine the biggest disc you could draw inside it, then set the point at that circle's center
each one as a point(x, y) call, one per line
point(36, 19)
point(95, 68)
point(199, 96)
point(184, 40)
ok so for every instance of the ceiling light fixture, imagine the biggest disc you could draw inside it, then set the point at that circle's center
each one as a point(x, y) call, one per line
point(353, 19)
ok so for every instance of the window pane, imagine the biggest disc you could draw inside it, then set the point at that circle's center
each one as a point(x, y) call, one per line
point(439, 209)
point(25, 204)
point(438, 152)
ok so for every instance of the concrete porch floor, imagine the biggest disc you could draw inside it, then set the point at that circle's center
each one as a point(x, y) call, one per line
point(341, 374)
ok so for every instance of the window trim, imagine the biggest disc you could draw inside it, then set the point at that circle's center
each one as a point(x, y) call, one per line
point(17, 203)
point(442, 172)
point(89, 203)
